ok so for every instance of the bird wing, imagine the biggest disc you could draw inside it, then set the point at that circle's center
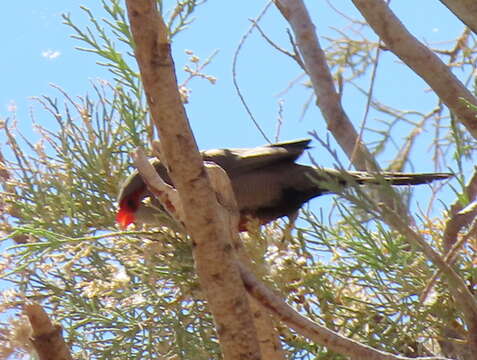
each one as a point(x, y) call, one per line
point(244, 160)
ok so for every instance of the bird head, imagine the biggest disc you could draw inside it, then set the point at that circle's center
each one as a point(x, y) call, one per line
point(136, 203)
point(128, 206)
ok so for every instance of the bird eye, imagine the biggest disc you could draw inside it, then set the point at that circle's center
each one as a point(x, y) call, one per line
point(131, 203)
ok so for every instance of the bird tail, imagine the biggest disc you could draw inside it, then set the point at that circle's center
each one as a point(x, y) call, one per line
point(397, 178)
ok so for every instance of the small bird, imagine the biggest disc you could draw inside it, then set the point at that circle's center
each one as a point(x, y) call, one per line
point(266, 180)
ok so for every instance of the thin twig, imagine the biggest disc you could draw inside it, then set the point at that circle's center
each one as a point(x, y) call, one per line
point(313, 331)
point(458, 219)
point(235, 76)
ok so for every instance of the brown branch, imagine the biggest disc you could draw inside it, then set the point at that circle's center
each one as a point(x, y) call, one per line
point(46, 337)
point(465, 10)
point(459, 217)
point(270, 346)
point(213, 252)
point(421, 60)
point(311, 330)
point(294, 55)
point(450, 258)
point(328, 99)
point(267, 336)
point(162, 191)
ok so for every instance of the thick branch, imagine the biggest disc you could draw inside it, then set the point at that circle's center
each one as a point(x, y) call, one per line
point(270, 345)
point(46, 337)
point(421, 60)
point(328, 99)
point(213, 253)
point(458, 219)
point(311, 330)
point(465, 10)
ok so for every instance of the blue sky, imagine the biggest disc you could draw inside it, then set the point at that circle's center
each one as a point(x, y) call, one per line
point(38, 50)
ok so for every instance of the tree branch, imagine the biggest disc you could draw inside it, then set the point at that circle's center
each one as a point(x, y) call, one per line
point(458, 218)
point(213, 252)
point(270, 346)
point(456, 285)
point(328, 99)
point(465, 10)
point(46, 336)
point(421, 60)
point(311, 330)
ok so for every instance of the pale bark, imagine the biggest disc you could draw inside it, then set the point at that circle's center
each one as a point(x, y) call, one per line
point(328, 100)
point(313, 331)
point(213, 251)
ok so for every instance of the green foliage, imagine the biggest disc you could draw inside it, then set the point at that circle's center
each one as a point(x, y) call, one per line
point(66, 181)
point(366, 281)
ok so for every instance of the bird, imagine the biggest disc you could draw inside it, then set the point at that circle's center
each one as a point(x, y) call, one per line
point(266, 180)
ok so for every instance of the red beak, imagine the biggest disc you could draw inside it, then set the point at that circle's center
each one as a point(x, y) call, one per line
point(128, 206)
point(124, 217)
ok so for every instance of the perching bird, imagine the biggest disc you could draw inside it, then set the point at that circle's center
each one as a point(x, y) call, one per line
point(267, 183)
